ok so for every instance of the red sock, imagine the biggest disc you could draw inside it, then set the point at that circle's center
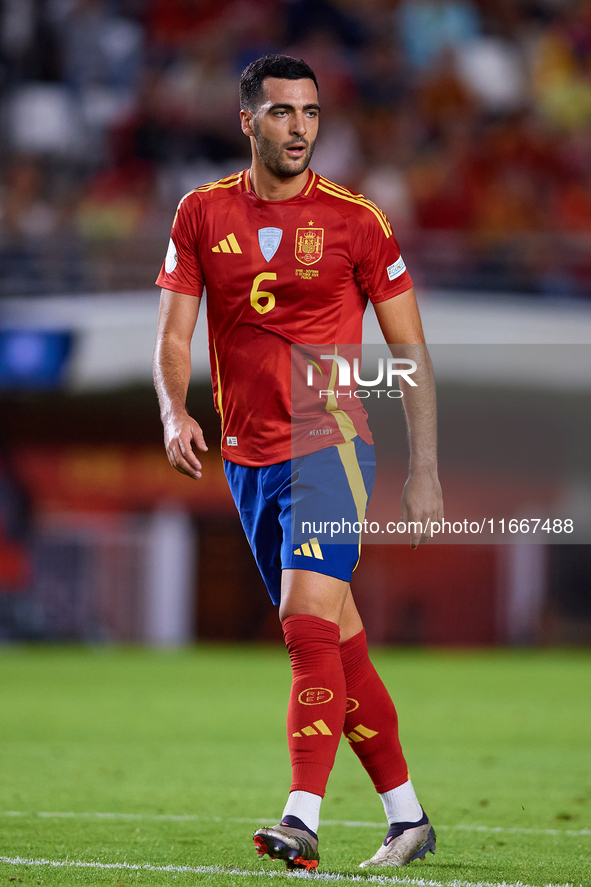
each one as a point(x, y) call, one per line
point(317, 702)
point(371, 722)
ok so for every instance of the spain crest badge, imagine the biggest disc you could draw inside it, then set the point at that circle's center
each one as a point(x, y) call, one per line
point(308, 245)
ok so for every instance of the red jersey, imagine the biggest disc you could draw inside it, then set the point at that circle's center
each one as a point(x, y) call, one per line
point(279, 273)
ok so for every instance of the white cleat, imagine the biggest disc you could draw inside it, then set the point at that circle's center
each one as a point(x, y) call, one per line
point(405, 842)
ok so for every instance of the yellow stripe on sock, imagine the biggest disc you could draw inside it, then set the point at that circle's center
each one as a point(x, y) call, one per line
point(322, 728)
point(365, 731)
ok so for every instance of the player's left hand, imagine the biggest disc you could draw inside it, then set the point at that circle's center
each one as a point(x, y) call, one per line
point(422, 503)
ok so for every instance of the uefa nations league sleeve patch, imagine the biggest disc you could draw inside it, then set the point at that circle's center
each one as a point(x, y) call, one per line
point(171, 258)
point(396, 269)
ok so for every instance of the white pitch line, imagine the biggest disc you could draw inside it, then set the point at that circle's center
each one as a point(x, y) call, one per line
point(347, 823)
point(221, 870)
point(516, 830)
point(470, 828)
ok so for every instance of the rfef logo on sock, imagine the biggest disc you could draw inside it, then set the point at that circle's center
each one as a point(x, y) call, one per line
point(315, 696)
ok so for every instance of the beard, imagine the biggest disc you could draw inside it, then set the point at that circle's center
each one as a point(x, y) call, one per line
point(270, 154)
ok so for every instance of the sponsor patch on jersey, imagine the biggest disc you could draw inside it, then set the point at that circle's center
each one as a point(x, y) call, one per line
point(232, 441)
point(171, 259)
point(269, 240)
point(396, 269)
point(309, 245)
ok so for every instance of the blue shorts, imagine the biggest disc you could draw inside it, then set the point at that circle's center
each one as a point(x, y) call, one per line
point(306, 513)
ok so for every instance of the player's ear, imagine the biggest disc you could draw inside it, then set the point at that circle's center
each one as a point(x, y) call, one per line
point(246, 122)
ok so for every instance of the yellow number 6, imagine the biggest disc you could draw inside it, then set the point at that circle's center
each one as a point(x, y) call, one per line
point(256, 294)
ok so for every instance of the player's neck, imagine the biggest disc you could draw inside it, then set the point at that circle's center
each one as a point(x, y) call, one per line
point(268, 186)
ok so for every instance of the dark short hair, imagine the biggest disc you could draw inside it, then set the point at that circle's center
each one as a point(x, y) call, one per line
point(284, 67)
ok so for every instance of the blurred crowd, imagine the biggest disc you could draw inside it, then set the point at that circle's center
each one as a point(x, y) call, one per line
point(468, 121)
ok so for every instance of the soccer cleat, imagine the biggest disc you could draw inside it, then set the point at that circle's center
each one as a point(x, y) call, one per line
point(405, 842)
point(297, 847)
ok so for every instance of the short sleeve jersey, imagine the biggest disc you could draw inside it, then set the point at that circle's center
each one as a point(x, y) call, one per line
point(278, 274)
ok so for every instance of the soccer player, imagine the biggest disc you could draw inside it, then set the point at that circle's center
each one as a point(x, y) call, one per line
point(290, 258)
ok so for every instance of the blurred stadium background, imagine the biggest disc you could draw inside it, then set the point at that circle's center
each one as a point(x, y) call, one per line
point(468, 121)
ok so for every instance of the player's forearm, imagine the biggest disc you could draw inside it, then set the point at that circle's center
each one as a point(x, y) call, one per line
point(400, 323)
point(421, 410)
point(172, 356)
point(172, 373)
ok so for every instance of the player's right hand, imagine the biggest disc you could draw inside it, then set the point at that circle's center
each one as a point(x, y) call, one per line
point(182, 436)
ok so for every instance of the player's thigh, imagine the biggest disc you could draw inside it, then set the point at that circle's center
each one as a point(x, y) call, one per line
point(314, 594)
point(304, 592)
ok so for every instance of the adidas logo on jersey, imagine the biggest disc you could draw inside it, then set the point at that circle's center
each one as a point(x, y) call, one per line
point(311, 549)
point(317, 728)
point(360, 733)
point(228, 245)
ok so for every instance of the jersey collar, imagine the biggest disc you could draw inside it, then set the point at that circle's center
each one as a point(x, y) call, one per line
point(305, 192)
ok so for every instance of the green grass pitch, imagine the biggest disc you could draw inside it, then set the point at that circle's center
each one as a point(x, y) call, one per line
point(144, 760)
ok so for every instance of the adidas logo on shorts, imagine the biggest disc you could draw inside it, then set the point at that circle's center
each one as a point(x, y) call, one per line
point(311, 549)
